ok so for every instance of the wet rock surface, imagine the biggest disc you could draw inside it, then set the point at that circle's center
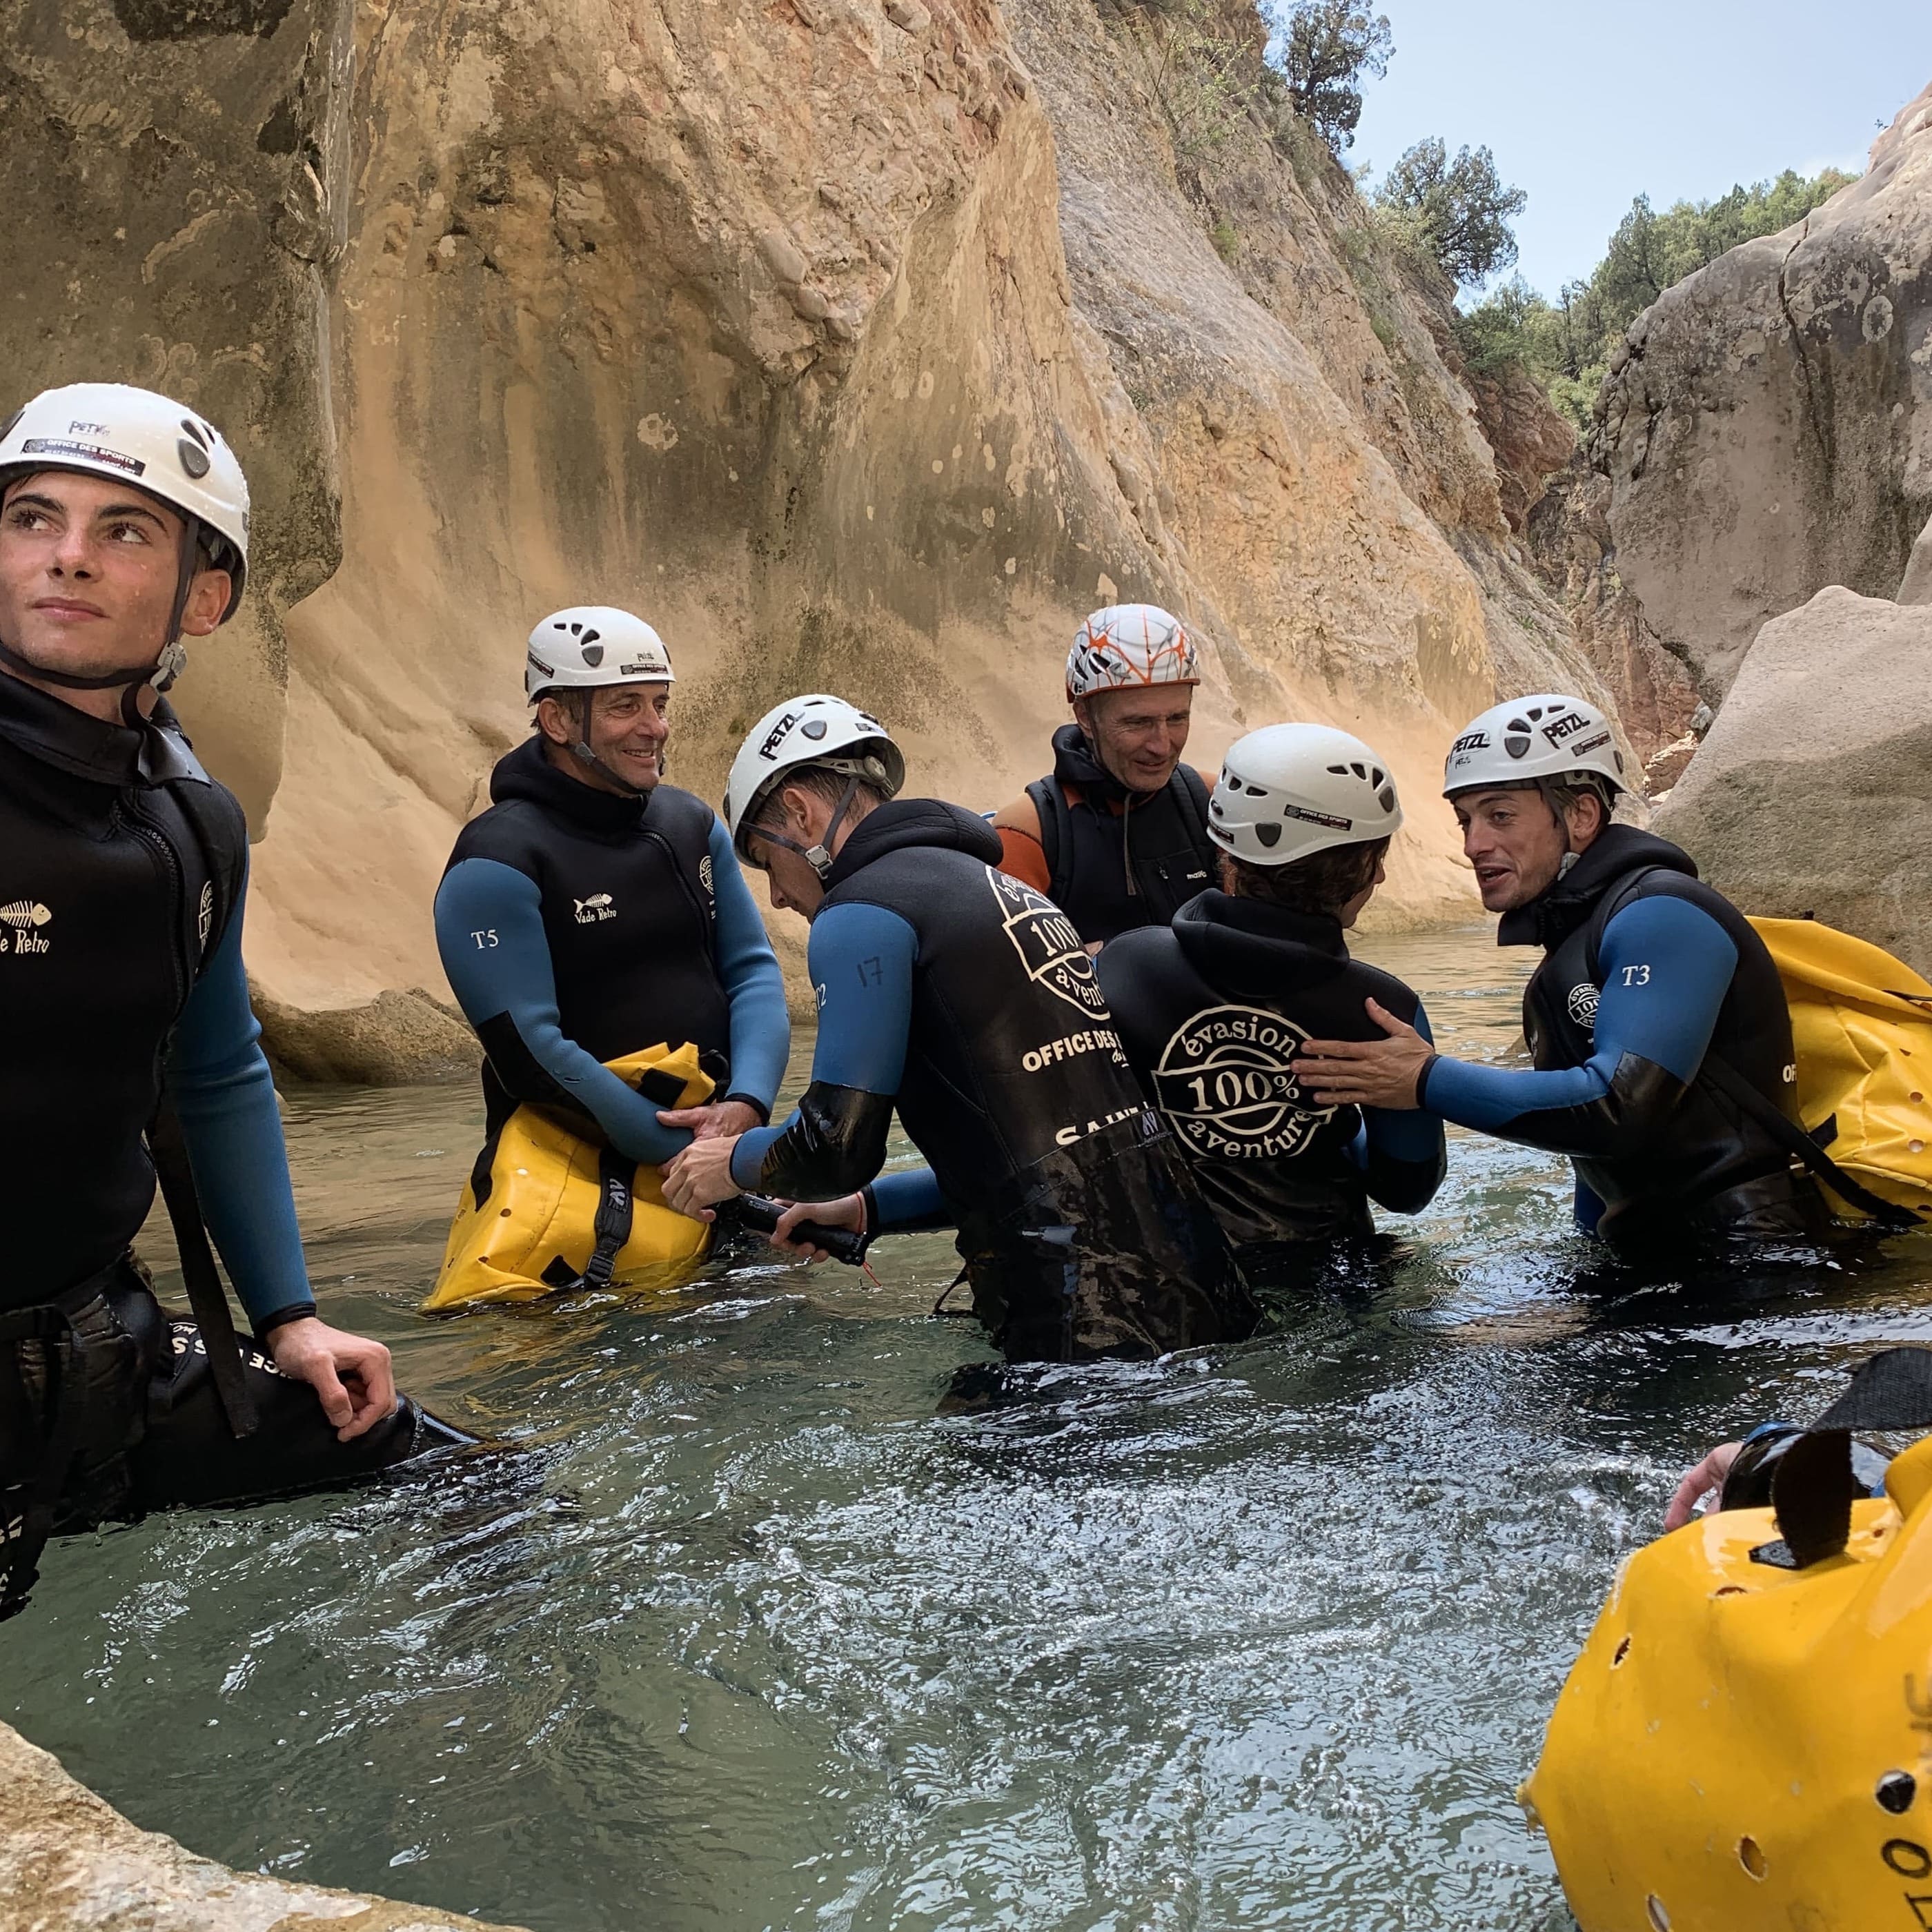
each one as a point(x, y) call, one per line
point(70, 1862)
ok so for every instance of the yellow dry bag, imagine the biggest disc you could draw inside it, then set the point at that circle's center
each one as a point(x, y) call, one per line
point(1743, 1745)
point(547, 1210)
point(1862, 1023)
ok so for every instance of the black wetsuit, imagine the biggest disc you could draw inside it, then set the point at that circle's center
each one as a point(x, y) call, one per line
point(1212, 1011)
point(1112, 870)
point(1649, 976)
point(964, 998)
point(122, 871)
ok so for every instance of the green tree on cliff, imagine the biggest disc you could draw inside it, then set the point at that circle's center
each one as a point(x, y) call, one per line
point(1322, 48)
point(1456, 213)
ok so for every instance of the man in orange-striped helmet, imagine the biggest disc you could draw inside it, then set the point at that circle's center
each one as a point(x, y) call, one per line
point(1117, 834)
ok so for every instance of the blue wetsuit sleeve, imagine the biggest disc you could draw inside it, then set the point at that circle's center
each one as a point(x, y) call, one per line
point(861, 960)
point(224, 1097)
point(489, 930)
point(907, 1200)
point(749, 970)
point(1666, 967)
point(1403, 1153)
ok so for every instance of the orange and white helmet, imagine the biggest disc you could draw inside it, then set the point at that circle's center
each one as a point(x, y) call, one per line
point(1129, 645)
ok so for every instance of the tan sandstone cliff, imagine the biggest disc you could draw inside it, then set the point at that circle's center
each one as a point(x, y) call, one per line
point(861, 346)
point(1768, 428)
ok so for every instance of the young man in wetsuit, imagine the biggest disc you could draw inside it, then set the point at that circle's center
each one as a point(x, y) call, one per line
point(965, 999)
point(1116, 835)
point(1212, 1009)
point(124, 527)
point(1656, 1021)
point(594, 910)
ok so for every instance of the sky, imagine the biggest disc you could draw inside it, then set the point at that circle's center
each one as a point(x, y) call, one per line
point(1587, 107)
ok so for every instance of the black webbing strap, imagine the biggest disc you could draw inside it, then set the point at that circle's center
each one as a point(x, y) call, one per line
point(1791, 1137)
point(1812, 1487)
point(205, 1294)
point(611, 1228)
point(63, 1422)
point(1056, 834)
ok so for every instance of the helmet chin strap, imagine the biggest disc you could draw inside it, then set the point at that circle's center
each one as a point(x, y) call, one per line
point(157, 675)
point(819, 857)
point(580, 749)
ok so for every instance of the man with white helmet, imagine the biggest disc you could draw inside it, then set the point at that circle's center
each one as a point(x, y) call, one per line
point(124, 528)
point(965, 999)
point(1662, 1043)
point(1213, 1008)
point(594, 910)
point(1116, 835)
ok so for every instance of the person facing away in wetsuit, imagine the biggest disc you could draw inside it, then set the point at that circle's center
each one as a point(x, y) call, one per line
point(964, 998)
point(1656, 1021)
point(124, 527)
point(1212, 1009)
point(593, 910)
point(1116, 835)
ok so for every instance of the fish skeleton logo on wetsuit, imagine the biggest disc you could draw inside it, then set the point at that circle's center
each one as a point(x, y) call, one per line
point(1226, 1081)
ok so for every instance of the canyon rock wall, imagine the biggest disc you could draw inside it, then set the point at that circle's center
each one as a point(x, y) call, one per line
point(1768, 428)
point(863, 346)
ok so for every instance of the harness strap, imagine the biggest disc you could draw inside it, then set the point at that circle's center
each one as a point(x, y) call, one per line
point(205, 1294)
point(63, 1425)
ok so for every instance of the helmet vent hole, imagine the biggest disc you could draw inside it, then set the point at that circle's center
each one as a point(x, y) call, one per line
point(1622, 1650)
point(1338, 771)
point(1360, 771)
point(1653, 1910)
point(1385, 798)
point(1269, 835)
point(1256, 791)
point(1750, 1855)
point(194, 430)
point(193, 459)
point(593, 654)
point(588, 637)
point(1377, 776)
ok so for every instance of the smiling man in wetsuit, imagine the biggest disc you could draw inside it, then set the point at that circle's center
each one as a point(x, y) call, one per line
point(1116, 834)
point(124, 527)
point(965, 999)
point(1664, 1066)
point(594, 910)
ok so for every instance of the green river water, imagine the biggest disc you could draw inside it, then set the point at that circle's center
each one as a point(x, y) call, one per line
point(745, 1634)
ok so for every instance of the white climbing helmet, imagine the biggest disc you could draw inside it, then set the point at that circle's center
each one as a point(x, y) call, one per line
point(1547, 737)
point(134, 435)
point(592, 645)
point(1130, 644)
point(817, 730)
point(1288, 790)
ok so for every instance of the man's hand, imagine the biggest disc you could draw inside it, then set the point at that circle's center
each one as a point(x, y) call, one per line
point(350, 1375)
point(848, 1211)
point(700, 1177)
point(724, 1119)
point(1367, 1073)
point(1709, 1475)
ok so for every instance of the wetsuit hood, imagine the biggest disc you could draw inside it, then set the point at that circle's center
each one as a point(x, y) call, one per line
point(1247, 947)
point(1075, 764)
point(526, 774)
point(1560, 909)
point(83, 746)
point(903, 822)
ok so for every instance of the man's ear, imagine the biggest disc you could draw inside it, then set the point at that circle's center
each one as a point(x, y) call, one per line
point(207, 603)
point(554, 721)
point(1587, 817)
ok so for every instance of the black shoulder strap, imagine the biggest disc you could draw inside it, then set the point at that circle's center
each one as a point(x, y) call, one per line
point(1196, 789)
point(680, 822)
point(1049, 801)
point(214, 869)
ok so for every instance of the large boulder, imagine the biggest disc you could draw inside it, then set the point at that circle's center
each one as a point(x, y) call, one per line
point(1813, 794)
point(1768, 426)
point(70, 1862)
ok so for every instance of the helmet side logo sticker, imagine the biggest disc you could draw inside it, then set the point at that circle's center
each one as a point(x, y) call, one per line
point(1582, 1005)
point(597, 907)
point(1226, 1082)
point(92, 452)
point(1049, 947)
point(20, 924)
point(775, 736)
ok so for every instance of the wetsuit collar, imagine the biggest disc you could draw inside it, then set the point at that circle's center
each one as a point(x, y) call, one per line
point(1245, 944)
point(913, 821)
point(1617, 851)
point(51, 731)
point(525, 773)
